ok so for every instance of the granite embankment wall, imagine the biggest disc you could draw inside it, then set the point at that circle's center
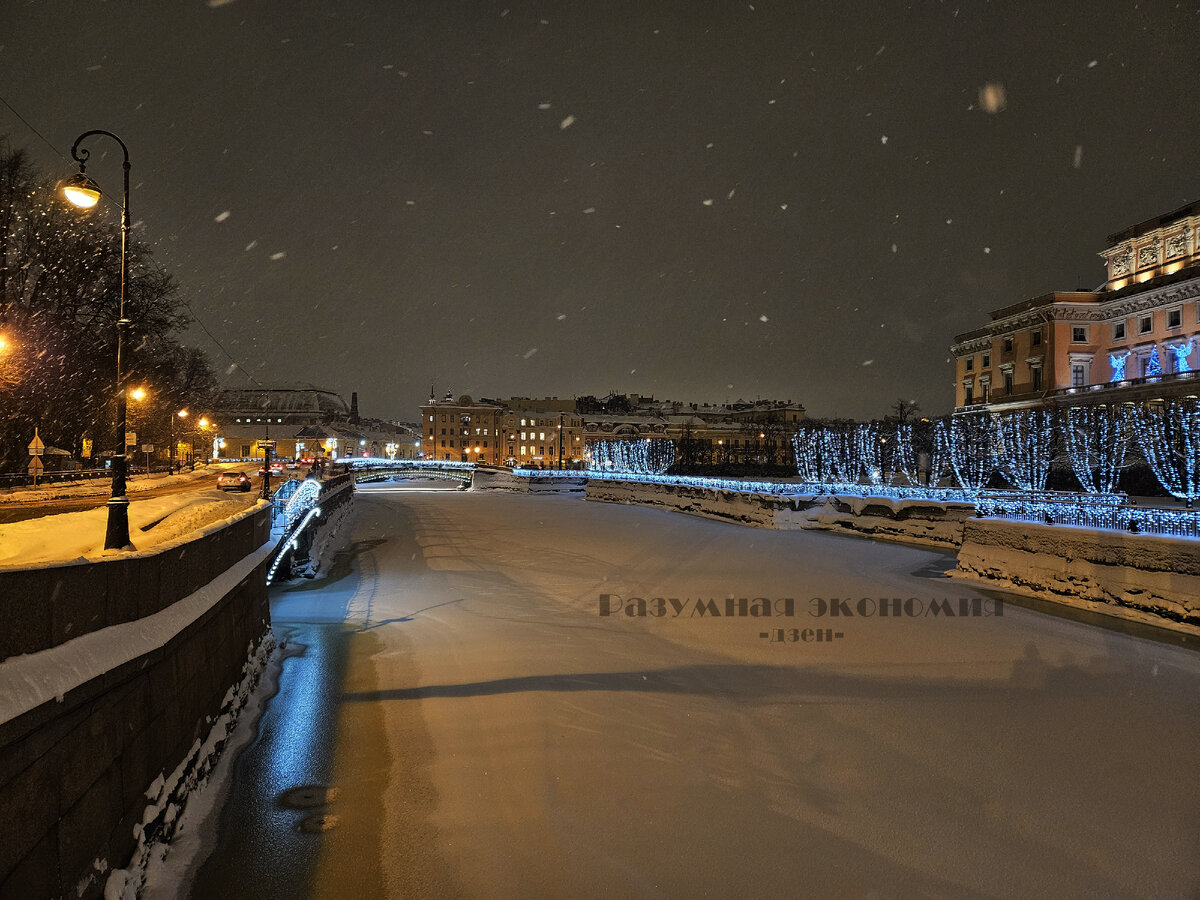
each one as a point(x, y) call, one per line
point(75, 768)
point(1147, 578)
point(910, 521)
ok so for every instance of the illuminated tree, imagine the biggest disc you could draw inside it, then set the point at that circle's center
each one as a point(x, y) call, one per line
point(1023, 444)
point(1097, 439)
point(1169, 434)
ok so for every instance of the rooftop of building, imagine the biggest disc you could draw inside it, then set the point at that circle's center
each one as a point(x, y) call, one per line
point(1188, 209)
point(294, 399)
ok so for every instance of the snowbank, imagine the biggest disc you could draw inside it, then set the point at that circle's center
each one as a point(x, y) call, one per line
point(79, 536)
point(1139, 576)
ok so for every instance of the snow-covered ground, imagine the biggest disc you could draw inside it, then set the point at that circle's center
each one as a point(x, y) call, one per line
point(495, 735)
point(79, 536)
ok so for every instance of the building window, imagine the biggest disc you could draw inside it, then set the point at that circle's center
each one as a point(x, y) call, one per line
point(1145, 324)
point(1077, 375)
point(1174, 318)
point(1118, 331)
point(970, 364)
point(969, 396)
point(985, 391)
point(1036, 338)
point(1008, 345)
point(1008, 383)
point(1079, 334)
point(987, 360)
point(1036, 378)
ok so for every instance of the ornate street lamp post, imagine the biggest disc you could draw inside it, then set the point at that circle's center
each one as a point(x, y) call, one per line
point(81, 191)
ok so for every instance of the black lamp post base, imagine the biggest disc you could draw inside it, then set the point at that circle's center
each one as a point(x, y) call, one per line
point(116, 537)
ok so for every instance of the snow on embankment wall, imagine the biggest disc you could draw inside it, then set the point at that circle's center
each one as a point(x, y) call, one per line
point(1153, 576)
point(910, 521)
point(94, 717)
point(485, 479)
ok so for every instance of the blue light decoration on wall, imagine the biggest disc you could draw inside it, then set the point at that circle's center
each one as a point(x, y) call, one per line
point(1118, 361)
point(1182, 352)
point(650, 456)
point(1154, 363)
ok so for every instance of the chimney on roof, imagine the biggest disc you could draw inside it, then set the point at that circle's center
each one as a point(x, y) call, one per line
point(354, 407)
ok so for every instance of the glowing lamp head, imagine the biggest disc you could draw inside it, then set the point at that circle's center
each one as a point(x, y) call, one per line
point(183, 414)
point(137, 394)
point(81, 191)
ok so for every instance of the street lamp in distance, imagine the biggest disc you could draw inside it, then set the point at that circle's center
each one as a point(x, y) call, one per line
point(84, 193)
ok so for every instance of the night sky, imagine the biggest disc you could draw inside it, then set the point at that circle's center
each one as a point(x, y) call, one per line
point(697, 200)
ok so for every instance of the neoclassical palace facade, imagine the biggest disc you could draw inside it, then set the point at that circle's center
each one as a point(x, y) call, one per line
point(1136, 338)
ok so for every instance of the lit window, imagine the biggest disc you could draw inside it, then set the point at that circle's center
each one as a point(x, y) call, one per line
point(1077, 376)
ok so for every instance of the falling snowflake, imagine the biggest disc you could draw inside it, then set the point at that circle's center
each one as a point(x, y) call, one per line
point(783, 206)
point(1093, 63)
point(987, 249)
point(707, 202)
point(868, 362)
point(1078, 161)
point(278, 256)
point(894, 248)
point(543, 106)
point(252, 245)
point(530, 353)
point(729, 196)
point(561, 316)
point(221, 217)
point(589, 210)
point(883, 139)
point(567, 122)
point(992, 97)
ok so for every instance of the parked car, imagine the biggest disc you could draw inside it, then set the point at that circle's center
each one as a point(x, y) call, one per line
point(233, 481)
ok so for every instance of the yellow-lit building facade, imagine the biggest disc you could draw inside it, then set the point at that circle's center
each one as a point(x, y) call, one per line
point(1136, 338)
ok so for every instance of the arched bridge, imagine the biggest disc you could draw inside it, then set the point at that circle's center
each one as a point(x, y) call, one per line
point(379, 469)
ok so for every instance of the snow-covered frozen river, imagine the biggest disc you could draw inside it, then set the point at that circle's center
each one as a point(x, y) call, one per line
point(486, 732)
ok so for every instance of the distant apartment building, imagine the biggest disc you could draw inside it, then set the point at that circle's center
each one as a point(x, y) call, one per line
point(1135, 338)
point(550, 432)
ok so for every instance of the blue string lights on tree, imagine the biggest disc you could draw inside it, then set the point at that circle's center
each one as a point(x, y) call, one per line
point(1118, 361)
point(1182, 352)
point(868, 458)
point(900, 455)
point(968, 444)
point(1097, 439)
point(1023, 443)
point(651, 456)
point(1169, 433)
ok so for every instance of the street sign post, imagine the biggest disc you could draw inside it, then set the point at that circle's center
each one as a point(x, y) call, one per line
point(36, 450)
